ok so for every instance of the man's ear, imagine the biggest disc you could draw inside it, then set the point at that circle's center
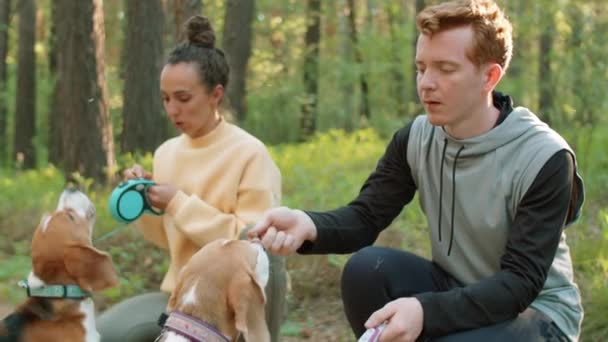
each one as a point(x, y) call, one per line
point(492, 75)
point(92, 269)
point(246, 298)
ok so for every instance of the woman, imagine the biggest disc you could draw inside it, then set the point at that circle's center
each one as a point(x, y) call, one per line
point(211, 181)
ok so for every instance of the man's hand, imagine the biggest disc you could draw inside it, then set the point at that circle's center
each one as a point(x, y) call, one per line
point(283, 230)
point(404, 317)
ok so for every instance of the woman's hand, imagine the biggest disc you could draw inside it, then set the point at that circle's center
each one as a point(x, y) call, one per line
point(160, 195)
point(136, 171)
point(404, 317)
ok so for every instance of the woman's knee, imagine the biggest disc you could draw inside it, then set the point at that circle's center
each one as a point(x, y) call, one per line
point(276, 295)
point(134, 318)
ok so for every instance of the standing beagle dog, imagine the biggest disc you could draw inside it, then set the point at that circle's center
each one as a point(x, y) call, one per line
point(66, 268)
point(219, 295)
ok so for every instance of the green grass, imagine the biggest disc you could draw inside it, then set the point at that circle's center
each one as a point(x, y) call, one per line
point(321, 174)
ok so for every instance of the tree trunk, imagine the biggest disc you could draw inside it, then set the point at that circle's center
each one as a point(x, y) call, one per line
point(237, 45)
point(364, 110)
point(81, 94)
point(5, 6)
point(55, 117)
point(104, 122)
point(25, 107)
point(311, 68)
point(144, 125)
point(346, 51)
point(398, 86)
point(545, 73)
point(182, 11)
point(579, 85)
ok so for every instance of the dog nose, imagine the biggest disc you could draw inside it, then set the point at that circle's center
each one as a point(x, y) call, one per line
point(71, 185)
point(75, 199)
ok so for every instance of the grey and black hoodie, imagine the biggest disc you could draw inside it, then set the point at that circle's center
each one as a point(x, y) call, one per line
point(496, 206)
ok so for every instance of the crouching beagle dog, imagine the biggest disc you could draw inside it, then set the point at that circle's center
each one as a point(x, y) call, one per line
point(219, 295)
point(65, 269)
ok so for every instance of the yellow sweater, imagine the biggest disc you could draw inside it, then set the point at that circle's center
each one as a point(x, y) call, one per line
point(226, 179)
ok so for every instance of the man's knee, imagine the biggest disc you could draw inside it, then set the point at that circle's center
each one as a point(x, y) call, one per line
point(361, 264)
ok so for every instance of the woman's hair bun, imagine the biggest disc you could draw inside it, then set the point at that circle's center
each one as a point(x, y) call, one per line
point(199, 31)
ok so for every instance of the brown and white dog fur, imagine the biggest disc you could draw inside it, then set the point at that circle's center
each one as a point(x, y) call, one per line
point(223, 286)
point(62, 253)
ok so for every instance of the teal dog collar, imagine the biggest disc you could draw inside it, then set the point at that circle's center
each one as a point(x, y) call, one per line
point(55, 291)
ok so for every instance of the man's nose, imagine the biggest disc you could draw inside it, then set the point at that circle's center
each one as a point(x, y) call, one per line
point(426, 80)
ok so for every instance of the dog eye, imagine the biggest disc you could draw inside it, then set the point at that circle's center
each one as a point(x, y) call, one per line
point(71, 216)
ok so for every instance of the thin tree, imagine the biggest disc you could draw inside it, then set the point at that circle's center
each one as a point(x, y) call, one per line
point(364, 109)
point(143, 125)
point(545, 73)
point(311, 69)
point(25, 107)
point(81, 98)
point(55, 119)
point(346, 49)
point(393, 11)
point(419, 6)
point(104, 122)
point(237, 46)
point(5, 6)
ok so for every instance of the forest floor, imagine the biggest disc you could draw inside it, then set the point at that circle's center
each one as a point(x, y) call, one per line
point(5, 310)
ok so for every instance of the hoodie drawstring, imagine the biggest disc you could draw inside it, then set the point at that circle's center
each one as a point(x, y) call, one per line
point(445, 146)
point(454, 197)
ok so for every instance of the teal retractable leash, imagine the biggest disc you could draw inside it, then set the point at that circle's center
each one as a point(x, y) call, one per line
point(128, 201)
point(110, 233)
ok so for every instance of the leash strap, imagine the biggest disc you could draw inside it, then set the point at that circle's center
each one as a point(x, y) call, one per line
point(110, 233)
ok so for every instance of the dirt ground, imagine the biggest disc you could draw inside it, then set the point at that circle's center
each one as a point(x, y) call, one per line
point(5, 310)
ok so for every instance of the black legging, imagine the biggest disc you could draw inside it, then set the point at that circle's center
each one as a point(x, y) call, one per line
point(375, 276)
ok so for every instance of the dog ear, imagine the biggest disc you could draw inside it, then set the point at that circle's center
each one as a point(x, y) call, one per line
point(246, 298)
point(92, 269)
point(173, 302)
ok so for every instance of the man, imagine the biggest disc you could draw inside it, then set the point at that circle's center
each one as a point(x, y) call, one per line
point(496, 184)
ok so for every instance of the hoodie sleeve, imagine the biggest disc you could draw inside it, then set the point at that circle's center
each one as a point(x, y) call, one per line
point(531, 246)
point(258, 190)
point(382, 197)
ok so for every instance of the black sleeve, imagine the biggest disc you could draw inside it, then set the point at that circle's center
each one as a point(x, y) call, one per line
point(382, 197)
point(531, 246)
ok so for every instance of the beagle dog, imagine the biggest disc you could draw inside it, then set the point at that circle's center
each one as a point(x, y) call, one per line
point(66, 268)
point(219, 295)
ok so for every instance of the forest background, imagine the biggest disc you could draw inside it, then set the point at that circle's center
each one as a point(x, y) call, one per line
point(323, 83)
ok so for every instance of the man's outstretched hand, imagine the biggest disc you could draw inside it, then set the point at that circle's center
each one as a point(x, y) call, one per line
point(283, 230)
